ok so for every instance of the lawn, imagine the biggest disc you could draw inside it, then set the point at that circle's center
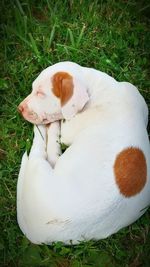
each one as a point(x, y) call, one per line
point(112, 36)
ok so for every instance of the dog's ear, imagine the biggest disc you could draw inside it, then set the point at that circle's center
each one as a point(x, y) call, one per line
point(73, 95)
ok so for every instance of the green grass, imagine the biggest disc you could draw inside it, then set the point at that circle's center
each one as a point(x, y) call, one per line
point(112, 36)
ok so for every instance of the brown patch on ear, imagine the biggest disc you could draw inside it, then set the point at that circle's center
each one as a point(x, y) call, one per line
point(62, 86)
point(130, 171)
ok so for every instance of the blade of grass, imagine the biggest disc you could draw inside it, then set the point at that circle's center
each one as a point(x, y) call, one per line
point(34, 46)
point(25, 19)
point(48, 4)
point(12, 30)
point(20, 7)
point(51, 36)
point(80, 36)
point(71, 37)
point(40, 132)
point(69, 47)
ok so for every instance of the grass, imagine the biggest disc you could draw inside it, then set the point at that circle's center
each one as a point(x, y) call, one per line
point(110, 35)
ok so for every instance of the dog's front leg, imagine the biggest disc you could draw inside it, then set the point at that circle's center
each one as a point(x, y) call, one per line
point(53, 143)
point(38, 149)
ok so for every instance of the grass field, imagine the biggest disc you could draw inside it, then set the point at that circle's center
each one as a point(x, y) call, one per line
point(110, 35)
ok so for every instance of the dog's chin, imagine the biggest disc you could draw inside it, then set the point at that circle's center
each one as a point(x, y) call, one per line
point(38, 121)
point(49, 118)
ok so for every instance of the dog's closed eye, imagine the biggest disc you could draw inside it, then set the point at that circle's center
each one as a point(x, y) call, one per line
point(40, 94)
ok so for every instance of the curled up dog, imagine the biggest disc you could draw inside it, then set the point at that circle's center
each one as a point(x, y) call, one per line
point(101, 183)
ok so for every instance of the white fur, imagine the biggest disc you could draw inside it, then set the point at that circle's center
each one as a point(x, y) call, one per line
point(79, 199)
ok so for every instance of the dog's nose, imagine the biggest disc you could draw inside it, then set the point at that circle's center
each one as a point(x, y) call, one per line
point(20, 108)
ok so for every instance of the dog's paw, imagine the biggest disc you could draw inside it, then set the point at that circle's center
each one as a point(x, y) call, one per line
point(53, 143)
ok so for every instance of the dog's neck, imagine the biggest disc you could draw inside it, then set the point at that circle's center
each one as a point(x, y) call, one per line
point(97, 81)
point(101, 87)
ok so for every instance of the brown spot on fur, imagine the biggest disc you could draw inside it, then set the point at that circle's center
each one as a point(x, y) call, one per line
point(62, 86)
point(130, 171)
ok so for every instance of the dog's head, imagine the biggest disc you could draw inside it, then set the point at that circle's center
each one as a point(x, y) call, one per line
point(55, 95)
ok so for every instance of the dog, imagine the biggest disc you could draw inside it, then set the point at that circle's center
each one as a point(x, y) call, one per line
point(101, 183)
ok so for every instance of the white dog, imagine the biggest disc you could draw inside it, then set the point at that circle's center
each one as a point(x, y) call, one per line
point(101, 183)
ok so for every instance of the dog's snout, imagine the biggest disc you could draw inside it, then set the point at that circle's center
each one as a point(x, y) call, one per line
point(23, 107)
point(20, 108)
